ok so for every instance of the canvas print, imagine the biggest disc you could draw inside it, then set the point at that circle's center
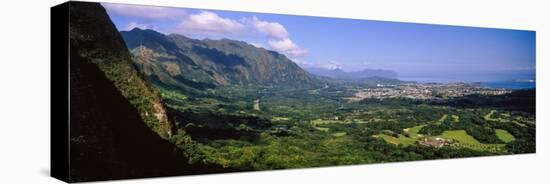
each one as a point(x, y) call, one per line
point(166, 91)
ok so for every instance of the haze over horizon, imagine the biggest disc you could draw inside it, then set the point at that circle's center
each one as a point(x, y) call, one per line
point(413, 51)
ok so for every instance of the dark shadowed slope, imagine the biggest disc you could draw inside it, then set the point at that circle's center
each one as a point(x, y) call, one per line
point(111, 108)
point(109, 140)
point(94, 37)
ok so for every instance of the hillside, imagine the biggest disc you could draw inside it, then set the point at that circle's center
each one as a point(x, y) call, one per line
point(177, 61)
point(94, 37)
point(111, 108)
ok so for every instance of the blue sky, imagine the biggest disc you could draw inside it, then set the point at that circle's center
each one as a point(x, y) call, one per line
point(414, 51)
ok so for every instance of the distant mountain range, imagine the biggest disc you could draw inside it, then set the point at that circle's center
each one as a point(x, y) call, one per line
point(357, 75)
point(177, 61)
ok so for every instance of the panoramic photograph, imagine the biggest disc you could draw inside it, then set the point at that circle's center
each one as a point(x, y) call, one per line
point(165, 91)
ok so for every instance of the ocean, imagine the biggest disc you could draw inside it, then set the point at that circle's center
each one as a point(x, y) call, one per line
point(510, 84)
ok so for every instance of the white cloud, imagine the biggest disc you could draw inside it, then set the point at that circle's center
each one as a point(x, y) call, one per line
point(271, 29)
point(133, 25)
point(146, 12)
point(278, 37)
point(209, 23)
point(332, 65)
point(286, 46)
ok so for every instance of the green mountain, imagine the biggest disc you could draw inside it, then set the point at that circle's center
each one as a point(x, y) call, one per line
point(338, 73)
point(117, 121)
point(95, 38)
point(177, 61)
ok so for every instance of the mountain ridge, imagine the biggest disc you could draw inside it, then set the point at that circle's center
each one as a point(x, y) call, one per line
point(338, 73)
point(178, 61)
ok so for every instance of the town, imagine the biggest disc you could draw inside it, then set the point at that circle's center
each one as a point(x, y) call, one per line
point(424, 91)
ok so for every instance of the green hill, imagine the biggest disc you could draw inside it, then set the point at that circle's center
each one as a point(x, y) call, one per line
point(117, 121)
point(94, 37)
point(176, 61)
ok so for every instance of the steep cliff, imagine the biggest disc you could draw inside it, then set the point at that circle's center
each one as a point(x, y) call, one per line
point(116, 119)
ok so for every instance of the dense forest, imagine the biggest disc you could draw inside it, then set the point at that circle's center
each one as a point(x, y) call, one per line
point(293, 128)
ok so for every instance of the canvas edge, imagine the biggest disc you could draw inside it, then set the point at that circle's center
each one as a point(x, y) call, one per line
point(59, 92)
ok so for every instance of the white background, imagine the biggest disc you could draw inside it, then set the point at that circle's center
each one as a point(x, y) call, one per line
point(25, 91)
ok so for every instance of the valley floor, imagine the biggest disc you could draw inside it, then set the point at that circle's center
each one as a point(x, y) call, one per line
point(260, 128)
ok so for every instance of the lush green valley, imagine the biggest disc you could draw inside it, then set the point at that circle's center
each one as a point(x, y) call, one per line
point(295, 128)
point(248, 108)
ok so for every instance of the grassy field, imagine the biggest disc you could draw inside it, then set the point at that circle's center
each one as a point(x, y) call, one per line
point(339, 134)
point(334, 121)
point(456, 118)
point(504, 135)
point(502, 120)
point(401, 140)
point(460, 136)
point(324, 121)
point(488, 116)
point(413, 131)
point(467, 141)
point(280, 119)
point(324, 129)
point(318, 123)
point(440, 120)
